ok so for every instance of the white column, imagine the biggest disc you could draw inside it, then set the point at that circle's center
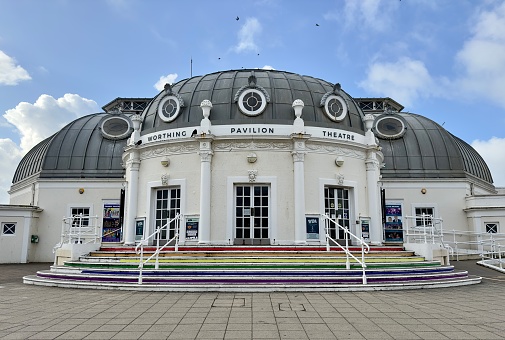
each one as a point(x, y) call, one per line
point(132, 177)
point(374, 205)
point(205, 188)
point(299, 187)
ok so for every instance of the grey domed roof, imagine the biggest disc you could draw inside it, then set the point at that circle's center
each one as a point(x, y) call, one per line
point(221, 89)
point(427, 150)
point(79, 150)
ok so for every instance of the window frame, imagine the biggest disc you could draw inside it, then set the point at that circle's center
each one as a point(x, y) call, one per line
point(12, 228)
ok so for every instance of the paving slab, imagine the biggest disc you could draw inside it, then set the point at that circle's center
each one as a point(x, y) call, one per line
point(38, 312)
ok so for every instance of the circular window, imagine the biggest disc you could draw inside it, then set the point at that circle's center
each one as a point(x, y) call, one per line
point(169, 108)
point(389, 127)
point(252, 102)
point(116, 128)
point(335, 108)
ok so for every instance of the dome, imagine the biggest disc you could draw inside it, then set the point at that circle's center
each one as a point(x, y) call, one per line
point(88, 147)
point(272, 91)
point(422, 148)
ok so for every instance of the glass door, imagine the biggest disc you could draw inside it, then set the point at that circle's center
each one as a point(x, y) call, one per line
point(337, 207)
point(251, 214)
point(168, 204)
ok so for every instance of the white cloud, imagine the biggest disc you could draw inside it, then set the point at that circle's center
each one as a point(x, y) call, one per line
point(404, 80)
point(169, 78)
point(37, 121)
point(482, 57)
point(247, 35)
point(10, 73)
point(267, 67)
point(364, 14)
point(10, 154)
point(492, 152)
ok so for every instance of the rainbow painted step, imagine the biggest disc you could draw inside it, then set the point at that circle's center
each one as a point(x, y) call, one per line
point(254, 269)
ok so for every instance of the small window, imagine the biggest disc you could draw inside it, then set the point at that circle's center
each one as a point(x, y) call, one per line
point(116, 128)
point(80, 217)
point(424, 216)
point(389, 127)
point(169, 108)
point(8, 228)
point(252, 102)
point(335, 108)
point(492, 228)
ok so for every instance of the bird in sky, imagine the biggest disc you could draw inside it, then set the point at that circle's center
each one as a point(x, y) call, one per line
point(237, 18)
point(317, 24)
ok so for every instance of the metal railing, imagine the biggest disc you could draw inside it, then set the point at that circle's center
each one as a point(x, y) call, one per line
point(494, 258)
point(79, 229)
point(474, 243)
point(425, 229)
point(139, 249)
point(365, 248)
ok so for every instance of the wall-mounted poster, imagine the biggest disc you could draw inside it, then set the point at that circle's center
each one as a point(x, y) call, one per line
point(312, 224)
point(111, 227)
point(139, 228)
point(393, 226)
point(192, 228)
point(365, 229)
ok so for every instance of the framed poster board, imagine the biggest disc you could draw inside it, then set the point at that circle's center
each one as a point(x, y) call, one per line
point(139, 228)
point(393, 225)
point(192, 228)
point(365, 228)
point(111, 226)
point(312, 227)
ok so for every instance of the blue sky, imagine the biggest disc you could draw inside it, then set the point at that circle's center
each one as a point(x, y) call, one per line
point(61, 59)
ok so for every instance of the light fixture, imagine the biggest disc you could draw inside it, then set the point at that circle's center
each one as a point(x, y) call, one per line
point(339, 161)
point(423, 191)
point(165, 161)
point(251, 158)
point(81, 191)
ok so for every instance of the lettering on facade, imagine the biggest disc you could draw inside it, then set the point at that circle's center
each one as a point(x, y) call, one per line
point(339, 135)
point(166, 135)
point(252, 130)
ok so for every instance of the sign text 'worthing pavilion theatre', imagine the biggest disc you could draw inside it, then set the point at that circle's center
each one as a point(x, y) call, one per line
point(248, 157)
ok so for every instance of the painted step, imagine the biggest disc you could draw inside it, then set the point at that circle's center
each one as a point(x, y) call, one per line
point(237, 278)
point(111, 254)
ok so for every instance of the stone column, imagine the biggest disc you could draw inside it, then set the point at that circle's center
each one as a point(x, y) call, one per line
point(374, 204)
point(132, 178)
point(372, 162)
point(299, 186)
point(205, 188)
point(205, 172)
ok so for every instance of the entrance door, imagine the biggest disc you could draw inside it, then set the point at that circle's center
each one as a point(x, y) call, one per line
point(251, 214)
point(336, 206)
point(168, 204)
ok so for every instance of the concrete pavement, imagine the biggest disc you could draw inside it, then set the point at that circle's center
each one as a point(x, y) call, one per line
point(36, 312)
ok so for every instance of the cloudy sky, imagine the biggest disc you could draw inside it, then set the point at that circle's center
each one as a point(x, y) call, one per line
point(61, 59)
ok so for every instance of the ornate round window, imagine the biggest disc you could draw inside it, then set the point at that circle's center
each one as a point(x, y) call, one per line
point(116, 127)
point(252, 102)
point(169, 108)
point(389, 127)
point(335, 108)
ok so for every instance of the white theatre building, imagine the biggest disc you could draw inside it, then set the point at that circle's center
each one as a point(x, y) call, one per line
point(248, 157)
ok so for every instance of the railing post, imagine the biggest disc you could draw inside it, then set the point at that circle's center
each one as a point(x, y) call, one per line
point(141, 264)
point(348, 262)
point(363, 266)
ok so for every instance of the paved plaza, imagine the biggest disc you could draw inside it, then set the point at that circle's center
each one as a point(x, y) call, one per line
point(468, 312)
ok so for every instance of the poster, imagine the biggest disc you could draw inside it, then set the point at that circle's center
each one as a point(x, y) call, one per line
point(111, 228)
point(139, 228)
point(365, 229)
point(312, 224)
point(192, 229)
point(393, 226)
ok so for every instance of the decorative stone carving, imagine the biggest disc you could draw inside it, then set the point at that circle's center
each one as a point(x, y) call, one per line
point(340, 179)
point(164, 179)
point(252, 175)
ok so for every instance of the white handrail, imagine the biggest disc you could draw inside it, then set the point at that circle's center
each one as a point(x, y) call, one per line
point(348, 253)
point(79, 229)
point(177, 219)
